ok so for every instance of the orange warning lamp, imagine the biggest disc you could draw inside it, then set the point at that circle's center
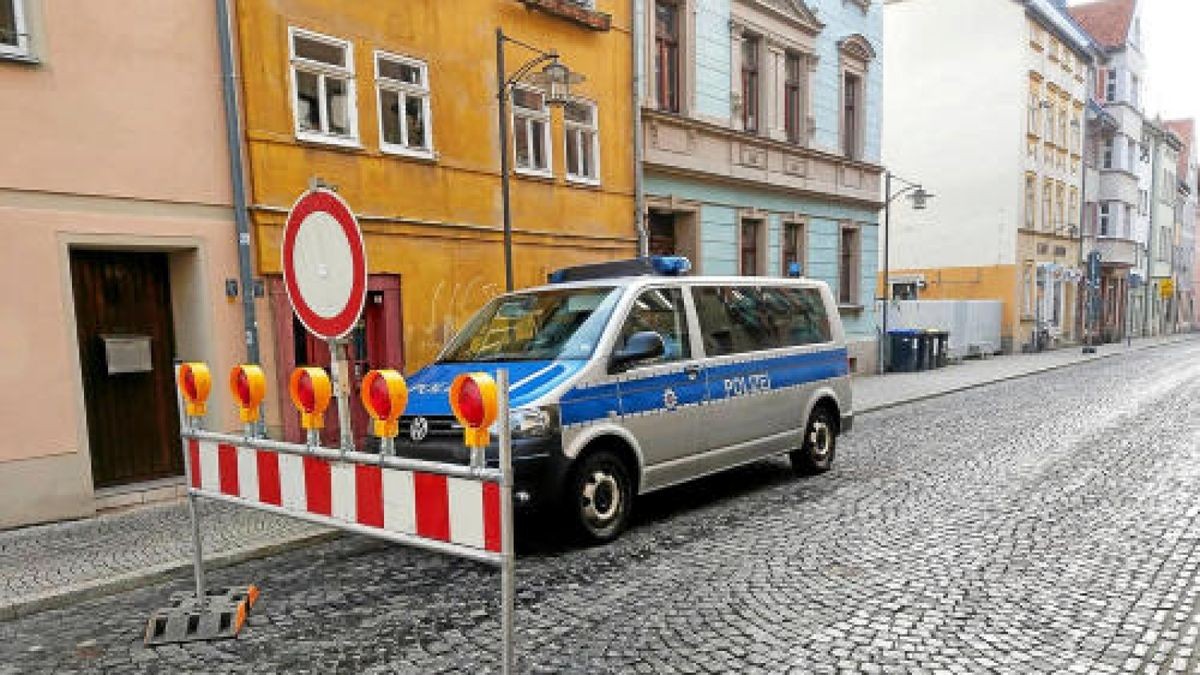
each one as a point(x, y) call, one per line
point(384, 395)
point(249, 385)
point(195, 382)
point(473, 400)
point(310, 390)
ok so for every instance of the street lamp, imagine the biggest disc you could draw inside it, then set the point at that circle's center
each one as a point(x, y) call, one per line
point(555, 79)
point(920, 201)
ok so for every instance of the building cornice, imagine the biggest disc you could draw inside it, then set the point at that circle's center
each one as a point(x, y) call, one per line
point(650, 114)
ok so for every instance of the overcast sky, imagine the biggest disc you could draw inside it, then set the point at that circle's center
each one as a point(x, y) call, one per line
point(1171, 33)
point(1171, 38)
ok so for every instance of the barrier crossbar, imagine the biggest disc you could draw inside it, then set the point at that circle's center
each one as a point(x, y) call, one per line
point(442, 507)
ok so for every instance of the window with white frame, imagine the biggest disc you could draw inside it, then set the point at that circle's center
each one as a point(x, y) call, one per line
point(14, 32)
point(1109, 151)
point(581, 133)
point(1106, 224)
point(531, 131)
point(402, 85)
point(1110, 86)
point(323, 88)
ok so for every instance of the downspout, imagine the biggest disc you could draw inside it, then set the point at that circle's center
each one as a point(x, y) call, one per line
point(639, 191)
point(1146, 283)
point(233, 136)
point(1083, 253)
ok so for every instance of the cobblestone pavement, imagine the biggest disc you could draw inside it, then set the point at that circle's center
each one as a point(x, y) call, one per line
point(1047, 524)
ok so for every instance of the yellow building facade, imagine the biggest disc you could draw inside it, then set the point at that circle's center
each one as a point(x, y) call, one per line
point(394, 105)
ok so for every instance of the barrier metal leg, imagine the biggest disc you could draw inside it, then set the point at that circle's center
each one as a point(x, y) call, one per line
point(508, 555)
point(197, 551)
point(204, 616)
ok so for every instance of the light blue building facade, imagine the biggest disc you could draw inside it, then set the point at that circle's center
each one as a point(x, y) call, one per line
point(761, 142)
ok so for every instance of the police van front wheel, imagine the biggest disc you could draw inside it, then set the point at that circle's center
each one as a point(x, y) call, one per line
point(815, 455)
point(601, 495)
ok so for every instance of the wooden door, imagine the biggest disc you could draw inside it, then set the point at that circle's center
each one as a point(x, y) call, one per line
point(126, 347)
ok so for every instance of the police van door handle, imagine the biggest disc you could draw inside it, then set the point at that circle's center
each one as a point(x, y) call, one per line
point(692, 372)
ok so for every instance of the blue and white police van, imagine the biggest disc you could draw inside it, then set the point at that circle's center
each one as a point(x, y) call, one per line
point(631, 376)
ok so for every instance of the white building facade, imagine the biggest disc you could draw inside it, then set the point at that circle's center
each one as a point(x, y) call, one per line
point(996, 133)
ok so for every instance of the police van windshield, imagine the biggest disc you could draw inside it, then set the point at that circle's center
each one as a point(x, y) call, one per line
point(542, 326)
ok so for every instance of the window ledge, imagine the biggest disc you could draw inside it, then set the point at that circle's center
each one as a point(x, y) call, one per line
point(334, 141)
point(25, 58)
point(572, 11)
point(580, 181)
point(398, 151)
point(547, 176)
point(850, 309)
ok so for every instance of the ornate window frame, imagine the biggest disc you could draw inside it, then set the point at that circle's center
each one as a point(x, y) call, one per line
point(855, 54)
point(783, 27)
point(687, 57)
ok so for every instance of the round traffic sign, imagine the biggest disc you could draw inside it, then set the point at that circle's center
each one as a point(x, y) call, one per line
point(324, 264)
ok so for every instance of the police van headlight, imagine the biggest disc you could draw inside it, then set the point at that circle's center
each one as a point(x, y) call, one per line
point(533, 422)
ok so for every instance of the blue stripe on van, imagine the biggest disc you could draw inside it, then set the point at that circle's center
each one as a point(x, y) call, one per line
point(587, 404)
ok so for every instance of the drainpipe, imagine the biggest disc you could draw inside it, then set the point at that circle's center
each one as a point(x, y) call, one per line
point(1146, 298)
point(233, 136)
point(639, 191)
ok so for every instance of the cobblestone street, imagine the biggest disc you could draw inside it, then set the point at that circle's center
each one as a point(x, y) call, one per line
point(1044, 524)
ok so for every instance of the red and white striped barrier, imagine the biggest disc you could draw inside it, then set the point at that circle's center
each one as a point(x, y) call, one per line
point(459, 511)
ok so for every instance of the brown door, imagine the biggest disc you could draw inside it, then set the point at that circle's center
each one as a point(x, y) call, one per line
point(126, 346)
point(374, 343)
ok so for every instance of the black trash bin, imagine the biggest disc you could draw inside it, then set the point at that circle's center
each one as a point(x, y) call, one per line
point(904, 350)
point(943, 349)
point(925, 355)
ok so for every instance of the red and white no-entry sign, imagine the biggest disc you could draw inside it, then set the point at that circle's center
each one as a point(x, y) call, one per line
point(324, 264)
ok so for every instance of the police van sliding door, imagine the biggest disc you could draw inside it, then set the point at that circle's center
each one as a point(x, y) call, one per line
point(767, 349)
point(660, 398)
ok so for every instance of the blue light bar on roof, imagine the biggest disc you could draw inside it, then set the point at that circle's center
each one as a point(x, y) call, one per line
point(670, 265)
point(658, 265)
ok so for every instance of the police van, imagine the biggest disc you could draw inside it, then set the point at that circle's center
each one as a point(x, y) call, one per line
point(631, 376)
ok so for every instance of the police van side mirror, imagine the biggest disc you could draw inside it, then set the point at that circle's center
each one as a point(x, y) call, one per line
point(639, 347)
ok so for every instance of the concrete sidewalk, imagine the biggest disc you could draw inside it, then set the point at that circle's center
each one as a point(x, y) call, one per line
point(54, 565)
point(47, 566)
point(875, 392)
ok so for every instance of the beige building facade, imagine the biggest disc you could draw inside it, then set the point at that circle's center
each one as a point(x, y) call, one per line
point(118, 241)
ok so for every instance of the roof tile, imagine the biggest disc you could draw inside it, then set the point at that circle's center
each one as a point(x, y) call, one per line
point(1107, 20)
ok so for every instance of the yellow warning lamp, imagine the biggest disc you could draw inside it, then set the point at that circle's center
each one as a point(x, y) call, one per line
point(384, 395)
point(473, 400)
point(248, 385)
point(310, 389)
point(195, 382)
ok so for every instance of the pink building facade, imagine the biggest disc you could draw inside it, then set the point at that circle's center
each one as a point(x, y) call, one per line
point(118, 240)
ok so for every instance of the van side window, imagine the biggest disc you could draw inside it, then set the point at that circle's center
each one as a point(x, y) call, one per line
point(808, 324)
point(737, 319)
point(660, 310)
point(732, 319)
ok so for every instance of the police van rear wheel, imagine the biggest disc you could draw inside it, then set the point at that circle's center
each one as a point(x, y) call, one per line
point(601, 494)
point(820, 444)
